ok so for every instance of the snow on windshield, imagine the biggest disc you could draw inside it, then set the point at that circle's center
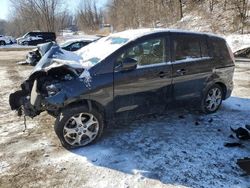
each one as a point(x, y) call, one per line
point(97, 51)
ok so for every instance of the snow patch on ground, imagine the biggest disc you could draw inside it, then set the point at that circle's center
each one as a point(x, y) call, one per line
point(240, 104)
point(11, 46)
point(179, 148)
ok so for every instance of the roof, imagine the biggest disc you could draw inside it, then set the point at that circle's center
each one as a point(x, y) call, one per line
point(83, 39)
point(136, 33)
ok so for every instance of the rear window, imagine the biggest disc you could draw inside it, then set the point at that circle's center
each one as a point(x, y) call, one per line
point(187, 47)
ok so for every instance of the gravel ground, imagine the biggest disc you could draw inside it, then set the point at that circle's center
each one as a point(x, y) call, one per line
point(169, 150)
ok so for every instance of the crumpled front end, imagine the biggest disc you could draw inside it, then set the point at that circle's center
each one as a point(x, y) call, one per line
point(21, 101)
point(47, 92)
point(53, 83)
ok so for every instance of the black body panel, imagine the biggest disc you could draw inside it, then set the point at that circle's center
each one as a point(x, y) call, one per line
point(35, 38)
point(145, 88)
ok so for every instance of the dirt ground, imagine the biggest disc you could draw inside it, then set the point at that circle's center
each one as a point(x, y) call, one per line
point(170, 150)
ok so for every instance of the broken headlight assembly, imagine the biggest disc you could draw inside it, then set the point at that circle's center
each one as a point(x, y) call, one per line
point(53, 88)
point(53, 85)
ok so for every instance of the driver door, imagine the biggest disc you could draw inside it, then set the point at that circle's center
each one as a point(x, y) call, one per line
point(144, 89)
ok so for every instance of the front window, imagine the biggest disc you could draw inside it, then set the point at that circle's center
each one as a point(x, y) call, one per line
point(145, 53)
point(26, 35)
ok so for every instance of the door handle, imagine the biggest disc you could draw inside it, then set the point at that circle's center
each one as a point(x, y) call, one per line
point(181, 71)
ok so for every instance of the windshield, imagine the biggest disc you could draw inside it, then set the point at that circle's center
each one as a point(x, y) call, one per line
point(64, 44)
point(99, 50)
point(25, 35)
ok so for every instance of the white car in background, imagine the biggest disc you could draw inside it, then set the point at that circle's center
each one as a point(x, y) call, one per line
point(6, 40)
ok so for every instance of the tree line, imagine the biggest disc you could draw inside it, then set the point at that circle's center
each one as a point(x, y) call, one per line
point(53, 15)
point(152, 13)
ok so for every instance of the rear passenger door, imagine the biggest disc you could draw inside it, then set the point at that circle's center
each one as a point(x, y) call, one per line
point(191, 64)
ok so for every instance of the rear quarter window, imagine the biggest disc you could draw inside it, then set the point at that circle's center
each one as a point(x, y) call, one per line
point(204, 48)
point(220, 50)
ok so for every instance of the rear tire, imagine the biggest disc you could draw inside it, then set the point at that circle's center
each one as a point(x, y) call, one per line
point(78, 127)
point(212, 99)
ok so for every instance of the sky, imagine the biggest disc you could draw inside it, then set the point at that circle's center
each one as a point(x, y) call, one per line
point(72, 5)
point(4, 9)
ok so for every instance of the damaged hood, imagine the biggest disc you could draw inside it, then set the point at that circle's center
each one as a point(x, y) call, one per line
point(86, 57)
point(57, 57)
point(43, 48)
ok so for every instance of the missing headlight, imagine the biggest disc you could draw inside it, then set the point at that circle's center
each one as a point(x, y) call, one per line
point(53, 89)
point(68, 77)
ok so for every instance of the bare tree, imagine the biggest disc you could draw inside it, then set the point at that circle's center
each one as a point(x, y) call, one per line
point(3, 24)
point(64, 20)
point(225, 4)
point(44, 15)
point(241, 8)
point(89, 17)
point(125, 14)
point(181, 10)
point(49, 15)
point(211, 5)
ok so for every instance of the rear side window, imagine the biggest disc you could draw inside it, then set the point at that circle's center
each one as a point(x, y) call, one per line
point(220, 49)
point(186, 47)
point(204, 49)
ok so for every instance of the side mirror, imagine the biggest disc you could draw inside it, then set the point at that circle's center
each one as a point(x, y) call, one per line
point(129, 64)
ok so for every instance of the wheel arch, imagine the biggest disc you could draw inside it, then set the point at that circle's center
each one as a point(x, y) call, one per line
point(89, 103)
point(224, 89)
point(71, 110)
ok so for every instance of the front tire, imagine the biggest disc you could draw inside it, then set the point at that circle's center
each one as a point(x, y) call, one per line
point(78, 127)
point(212, 99)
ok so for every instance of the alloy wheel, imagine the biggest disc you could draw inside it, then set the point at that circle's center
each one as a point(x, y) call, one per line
point(213, 99)
point(81, 129)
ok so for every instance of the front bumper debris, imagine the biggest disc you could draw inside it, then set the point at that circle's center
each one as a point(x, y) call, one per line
point(23, 103)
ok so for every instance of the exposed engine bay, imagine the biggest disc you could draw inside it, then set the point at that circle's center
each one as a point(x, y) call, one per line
point(39, 87)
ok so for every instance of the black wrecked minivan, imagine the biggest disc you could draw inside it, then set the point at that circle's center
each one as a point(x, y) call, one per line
point(123, 75)
point(35, 38)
